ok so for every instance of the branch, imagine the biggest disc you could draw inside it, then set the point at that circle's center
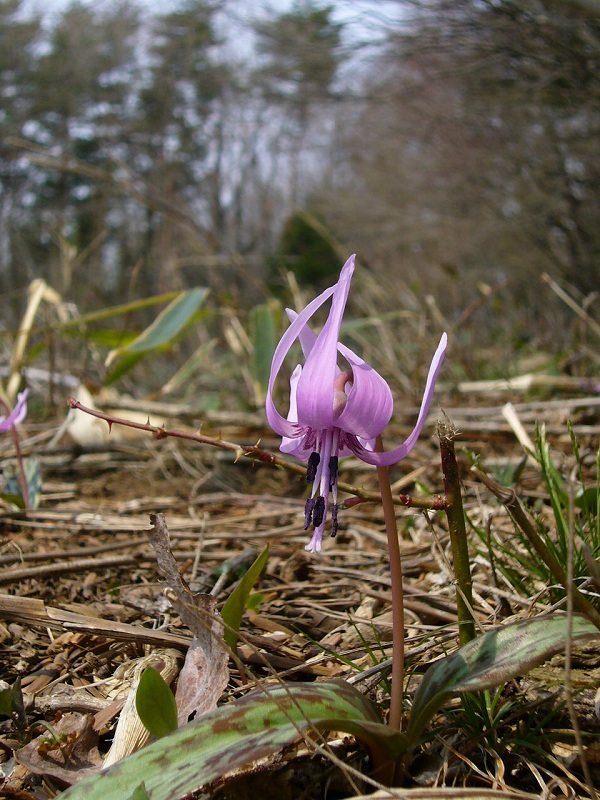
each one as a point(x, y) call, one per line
point(435, 503)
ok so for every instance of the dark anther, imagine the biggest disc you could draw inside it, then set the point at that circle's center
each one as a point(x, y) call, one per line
point(333, 470)
point(308, 512)
point(311, 469)
point(334, 521)
point(318, 511)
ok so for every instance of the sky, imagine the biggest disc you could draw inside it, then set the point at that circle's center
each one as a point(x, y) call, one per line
point(364, 17)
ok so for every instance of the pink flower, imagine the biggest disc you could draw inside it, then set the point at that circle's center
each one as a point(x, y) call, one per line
point(335, 413)
point(17, 415)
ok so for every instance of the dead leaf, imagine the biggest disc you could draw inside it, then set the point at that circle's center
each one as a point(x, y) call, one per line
point(205, 674)
point(71, 756)
point(131, 734)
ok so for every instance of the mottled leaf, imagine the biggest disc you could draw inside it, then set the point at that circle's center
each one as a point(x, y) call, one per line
point(237, 734)
point(12, 492)
point(490, 660)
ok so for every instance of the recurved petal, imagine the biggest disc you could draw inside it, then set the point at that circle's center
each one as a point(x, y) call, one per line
point(279, 424)
point(394, 456)
point(315, 387)
point(294, 445)
point(307, 337)
point(370, 404)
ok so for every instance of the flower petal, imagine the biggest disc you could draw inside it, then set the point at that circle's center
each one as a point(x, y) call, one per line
point(294, 445)
point(307, 337)
point(315, 387)
point(370, 403)
point(17, 415)
point(280, 425)
point(393, 456)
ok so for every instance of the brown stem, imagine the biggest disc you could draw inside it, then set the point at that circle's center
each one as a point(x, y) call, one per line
point(264, 456)
point(391, 528)
point(22, 475)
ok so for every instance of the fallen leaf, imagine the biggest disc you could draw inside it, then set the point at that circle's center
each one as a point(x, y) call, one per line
point(205, 673)
point(71, 756)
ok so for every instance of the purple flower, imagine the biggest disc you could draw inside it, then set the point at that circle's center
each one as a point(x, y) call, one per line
point(17, 415)
point(333, 412)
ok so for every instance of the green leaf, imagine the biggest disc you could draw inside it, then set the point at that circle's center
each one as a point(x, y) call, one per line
point(237, 602)
point(237, 734)
point(140, 793)
point(255, 600)
point(124, 365)
point(490, 660)
point(263, 327)
point(6, 705)
point(155, 704)
point(166, 326)
point(587, 499)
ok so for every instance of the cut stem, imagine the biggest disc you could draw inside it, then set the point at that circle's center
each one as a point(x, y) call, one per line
point(391, 528)
point(458, 534)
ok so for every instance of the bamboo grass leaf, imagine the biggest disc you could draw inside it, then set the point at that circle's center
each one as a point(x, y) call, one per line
point(167, 325)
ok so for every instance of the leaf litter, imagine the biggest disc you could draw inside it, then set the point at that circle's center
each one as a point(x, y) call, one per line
point(83, 604)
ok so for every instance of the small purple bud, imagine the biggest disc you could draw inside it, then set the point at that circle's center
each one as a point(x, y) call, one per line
point(318, 511)
point(312, 466)
point(334, 520)
point(308, 512)
point(333, 470)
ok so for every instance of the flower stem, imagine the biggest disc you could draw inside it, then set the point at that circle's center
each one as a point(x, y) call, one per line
point(458, 534)
point(389, 513)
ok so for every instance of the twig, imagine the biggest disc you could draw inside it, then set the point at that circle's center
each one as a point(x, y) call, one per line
point(77, 565)
point(568, 300)
point(435, 503)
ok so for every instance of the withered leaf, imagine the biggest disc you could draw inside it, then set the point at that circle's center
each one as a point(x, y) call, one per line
point(204, 674)
point(71, 756)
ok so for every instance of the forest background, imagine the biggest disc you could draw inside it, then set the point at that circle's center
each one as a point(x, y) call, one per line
point(454, 144)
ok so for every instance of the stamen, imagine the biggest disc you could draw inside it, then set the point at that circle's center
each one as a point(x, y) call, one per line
point(312, 467)
point(318, 511)
point(308, 512)
point(333, 470)
point(334, 521)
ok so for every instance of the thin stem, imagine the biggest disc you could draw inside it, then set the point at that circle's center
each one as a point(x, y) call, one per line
point(391, 528)
point(21, 466)
point(436, 503)
point(458, 534)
